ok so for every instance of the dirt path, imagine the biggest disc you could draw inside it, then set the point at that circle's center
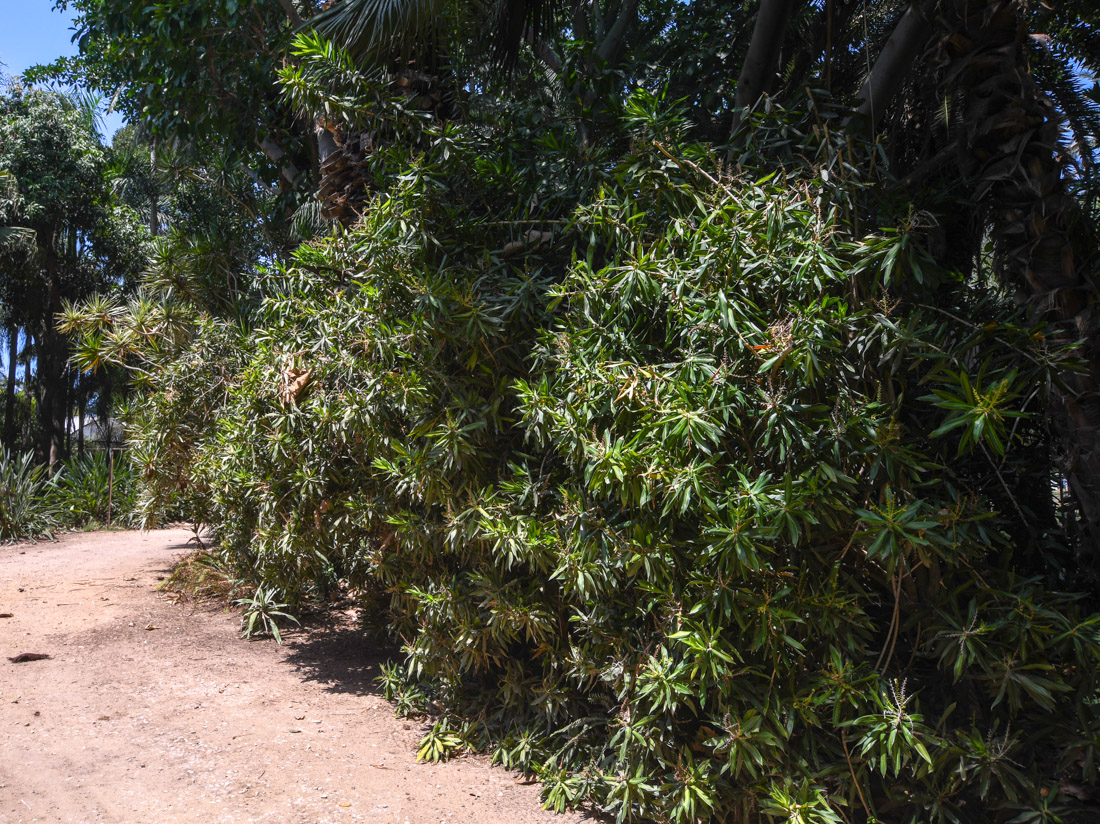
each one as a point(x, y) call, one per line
point(148, 711)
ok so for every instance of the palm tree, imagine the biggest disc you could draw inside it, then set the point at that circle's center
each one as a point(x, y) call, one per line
point(372, 29)
point(1014, 152)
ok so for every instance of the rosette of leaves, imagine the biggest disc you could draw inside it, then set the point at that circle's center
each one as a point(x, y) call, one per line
point(27, 509)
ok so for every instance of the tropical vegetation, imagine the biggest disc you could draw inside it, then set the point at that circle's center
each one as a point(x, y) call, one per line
point(702, 396)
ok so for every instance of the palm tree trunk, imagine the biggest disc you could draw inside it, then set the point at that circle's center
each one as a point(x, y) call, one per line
point(1012, 157)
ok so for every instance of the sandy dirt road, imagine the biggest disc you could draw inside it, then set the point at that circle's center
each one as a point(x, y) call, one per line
point(150, 711)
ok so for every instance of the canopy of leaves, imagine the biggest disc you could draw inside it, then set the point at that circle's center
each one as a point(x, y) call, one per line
point(48, 146)
point(198, 73)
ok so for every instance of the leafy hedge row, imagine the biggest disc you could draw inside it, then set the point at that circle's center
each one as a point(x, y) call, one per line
point(699, 499)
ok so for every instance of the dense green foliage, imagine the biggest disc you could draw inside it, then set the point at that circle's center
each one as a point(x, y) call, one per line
point(25, 509)
point(69, 234)
point(198, 72)
point(689, 497)
point(95, 490)
point(705, 476)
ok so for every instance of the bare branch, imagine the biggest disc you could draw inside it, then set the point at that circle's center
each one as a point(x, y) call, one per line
point(276, 154)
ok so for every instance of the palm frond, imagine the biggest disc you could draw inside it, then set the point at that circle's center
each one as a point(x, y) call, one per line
point(370, 30)
point(308, 221)
point(1073, 30)
point(16, 235)
point(88, 105)
point(1070, 94)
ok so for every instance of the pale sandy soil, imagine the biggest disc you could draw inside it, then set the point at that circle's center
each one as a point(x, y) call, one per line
point(150, 711)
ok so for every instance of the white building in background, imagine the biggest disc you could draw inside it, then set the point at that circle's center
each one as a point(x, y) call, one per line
point(99, 434)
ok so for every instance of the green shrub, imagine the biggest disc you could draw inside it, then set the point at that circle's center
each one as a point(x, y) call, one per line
point(83, 491)
point(27, 510)
point(704, 501)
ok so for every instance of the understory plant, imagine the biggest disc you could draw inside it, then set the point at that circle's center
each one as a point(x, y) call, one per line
point(27, 510)
point(77, 494)
point(700, 496)
point(94, 489)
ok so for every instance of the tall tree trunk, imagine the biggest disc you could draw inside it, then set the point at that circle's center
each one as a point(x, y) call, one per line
point(9, 397)
point(154, 195)
point(28, 347)
point(82, 401)
point(70, 398)
point(610, 37)
point(51, 362)
point(760, 71)
point(895, 61)
point(1011, 154)
point(106, 401)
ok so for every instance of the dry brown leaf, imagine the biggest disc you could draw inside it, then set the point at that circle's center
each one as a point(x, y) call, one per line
point(294, 380)
point(24, 657)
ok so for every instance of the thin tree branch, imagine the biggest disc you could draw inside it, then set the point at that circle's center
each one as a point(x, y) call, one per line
point(684, 164)
point(291, 12)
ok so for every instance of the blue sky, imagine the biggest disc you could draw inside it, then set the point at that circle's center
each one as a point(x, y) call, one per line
point(31, 32)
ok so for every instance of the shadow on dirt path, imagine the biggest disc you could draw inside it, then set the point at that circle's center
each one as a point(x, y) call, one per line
point(148, 711)
point(340, 659)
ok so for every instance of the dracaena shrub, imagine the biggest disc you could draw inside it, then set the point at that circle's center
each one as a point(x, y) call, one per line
point(684, 494)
